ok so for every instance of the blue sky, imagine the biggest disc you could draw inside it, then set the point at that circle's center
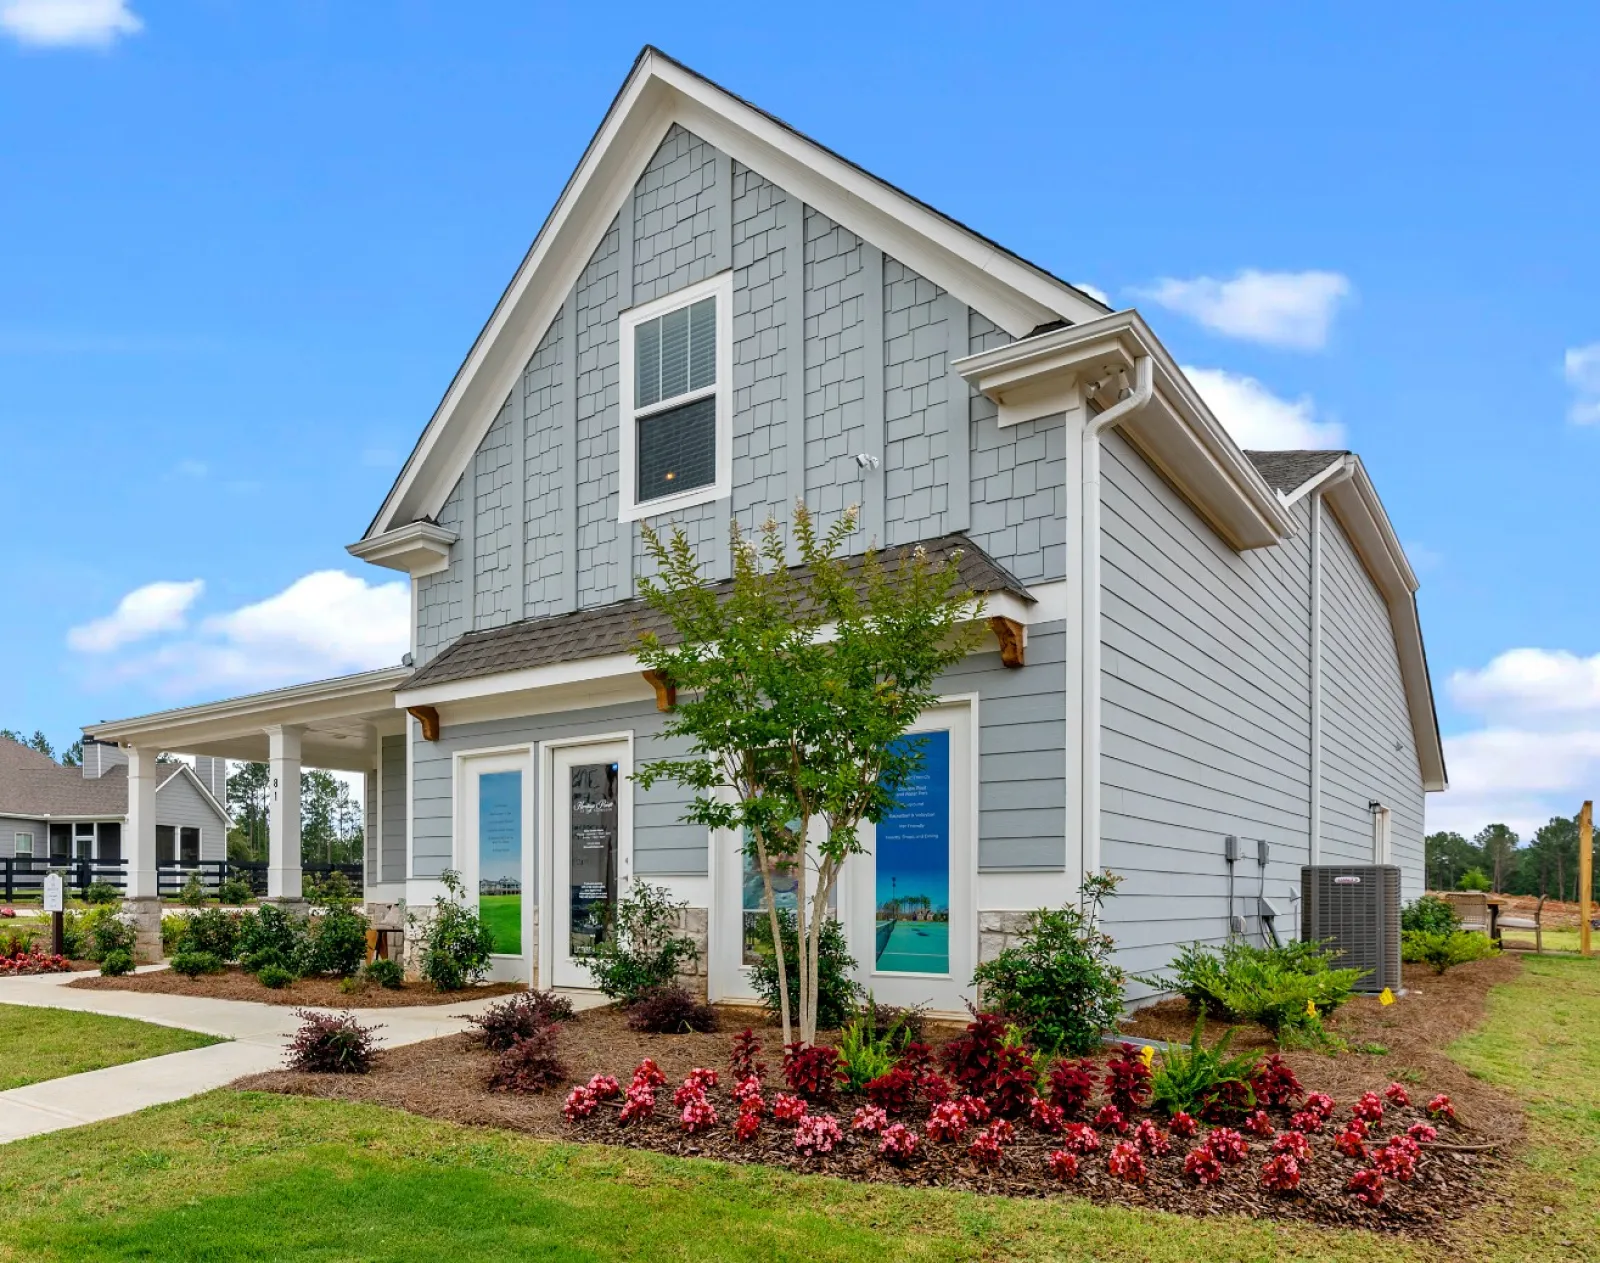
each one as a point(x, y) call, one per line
point(246, 245)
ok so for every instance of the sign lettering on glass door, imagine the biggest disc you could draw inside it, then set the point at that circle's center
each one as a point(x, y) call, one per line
point(592, 853)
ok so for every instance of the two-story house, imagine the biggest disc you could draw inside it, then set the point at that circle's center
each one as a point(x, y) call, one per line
point(1189, 643)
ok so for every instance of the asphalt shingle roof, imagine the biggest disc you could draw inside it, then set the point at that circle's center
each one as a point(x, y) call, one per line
point(1284, 471)
point(615, 628)
point(33, 784)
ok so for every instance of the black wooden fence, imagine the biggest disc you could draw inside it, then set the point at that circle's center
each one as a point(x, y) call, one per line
point(23, 877)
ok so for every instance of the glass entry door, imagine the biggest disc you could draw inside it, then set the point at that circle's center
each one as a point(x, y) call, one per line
point(590, 850)
point(913, 918)
point(496, 828)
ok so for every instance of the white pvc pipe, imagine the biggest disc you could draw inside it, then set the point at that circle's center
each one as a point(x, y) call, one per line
point(1089, 688)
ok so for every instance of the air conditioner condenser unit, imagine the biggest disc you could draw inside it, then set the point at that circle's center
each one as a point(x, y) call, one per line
point(1356, 909)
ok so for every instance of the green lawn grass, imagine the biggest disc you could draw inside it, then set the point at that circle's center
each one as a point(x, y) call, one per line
point(1562, 940)
point(247, 1175)
point(40, 1044)
point(503, 915)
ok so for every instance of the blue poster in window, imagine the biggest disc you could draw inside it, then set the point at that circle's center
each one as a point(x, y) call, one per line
point(913, 868)
point(500, 858)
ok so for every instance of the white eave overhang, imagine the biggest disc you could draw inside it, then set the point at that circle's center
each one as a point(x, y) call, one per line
point(1176, 432)
point(419, 548)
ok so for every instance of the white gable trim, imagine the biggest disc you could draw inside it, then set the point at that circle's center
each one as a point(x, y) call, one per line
point(658, 93)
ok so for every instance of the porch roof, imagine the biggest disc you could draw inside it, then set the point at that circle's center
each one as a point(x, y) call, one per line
point(340, 721)
point(548, 639)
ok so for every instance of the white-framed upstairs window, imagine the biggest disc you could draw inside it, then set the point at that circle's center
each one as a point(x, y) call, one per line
point(677, 400)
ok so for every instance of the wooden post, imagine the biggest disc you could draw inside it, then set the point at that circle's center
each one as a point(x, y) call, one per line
point(1585, 876)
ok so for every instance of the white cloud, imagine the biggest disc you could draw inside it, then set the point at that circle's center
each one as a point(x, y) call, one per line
point(1094, 291)
point(1260, 420)
point(68, 23)
point(1288, 309)
point(146, 611)
point(1537, 753)
point(1582, 369)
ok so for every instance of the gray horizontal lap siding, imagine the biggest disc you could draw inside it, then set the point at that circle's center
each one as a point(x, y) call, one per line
point(369, 804)
point(10, 826)
point(662, 844)
point(392, 856)
point(1369, 752)
point(179, 803)
point(1206, 715)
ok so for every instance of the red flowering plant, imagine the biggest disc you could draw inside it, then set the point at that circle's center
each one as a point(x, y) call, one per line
point(1127, 1163)
point(1081, 1138)
point(975, 1108)
point(1201, 1166)
point(1398, 1158)
point(815, 1071)
point(1367, 1185)
point(605, 1087)
point(1397, 1095)
point(894, 1092)
point(817, 1133)
point(870, 1119)
point(1293, 1143)
point(1063, 1165)
point(988, 1146)
point(975, 1058)
point(788, 1108)
point(915, 1058)
point(1275, 1084)
point(698, 1115)
point(935, 1088)
point(1320, 1104)
point(1310, 1122)
point(1012, 1088)
point(1110, 1118)
point(581, 1102)
point(744, 1061)
point(748, 1089)
point(1071, 1086)
point(648, 1074)
point(747, 1125)
point(1441, 1107)
point(1045, 1117)
point(1128, 1081)
point(899, 1144)
point(947, 1121)
point(1280, 1173)
point(1226, 1145)
point(1259, 1123)
point(1369, 1109)
point(640, 1102)
point(1423, 1133)
point(1151, 1139)
point(1182, 1124)
point(1351, 1144)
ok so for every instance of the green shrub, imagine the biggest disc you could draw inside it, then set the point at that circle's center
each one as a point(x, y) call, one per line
point(235, 891)
point(173, 926)
point(1431, 914)
point(104, 932)
point(116, 963)
point(837, 992)
point(331, 890)
point(337, 943)
point(1285, 989)
point(1443, 951)
point(1191, 1075)
point(865, 1052)
point(74, 944)
point(1058, 983)
point(193, 894)
point(1475, 879)
point(213, 932)
point(270, 936)
point(456, 943)
point(642, 953)
point(191, 964)
point(16, 942)
point(101, 892)
point(274, 976)
point(386, 973)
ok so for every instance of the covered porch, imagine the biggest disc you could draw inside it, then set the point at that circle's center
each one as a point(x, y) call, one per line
point(346, 724)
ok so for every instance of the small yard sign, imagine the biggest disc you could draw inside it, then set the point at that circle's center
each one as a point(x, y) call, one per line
point(54, 892)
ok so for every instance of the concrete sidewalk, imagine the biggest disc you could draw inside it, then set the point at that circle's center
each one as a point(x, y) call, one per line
point(257, 1034)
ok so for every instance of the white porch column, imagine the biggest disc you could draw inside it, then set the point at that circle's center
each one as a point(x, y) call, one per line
point(139, 843)
point(283, 813)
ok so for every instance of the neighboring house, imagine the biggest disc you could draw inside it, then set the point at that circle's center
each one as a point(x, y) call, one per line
point(56, 814)
point(1197, 653)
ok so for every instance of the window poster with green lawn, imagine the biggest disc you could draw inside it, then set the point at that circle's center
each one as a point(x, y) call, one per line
point(912, 860)
point(500, 858)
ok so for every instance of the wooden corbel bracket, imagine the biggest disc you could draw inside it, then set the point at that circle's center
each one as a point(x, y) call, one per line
point(428, 717)
point(666, 691)
point(1013, 638)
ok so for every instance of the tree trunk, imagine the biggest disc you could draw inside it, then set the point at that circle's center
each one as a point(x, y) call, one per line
point(777, 931)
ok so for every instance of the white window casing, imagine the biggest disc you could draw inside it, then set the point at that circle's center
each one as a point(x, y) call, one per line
point(641, 400)
point(22, 845)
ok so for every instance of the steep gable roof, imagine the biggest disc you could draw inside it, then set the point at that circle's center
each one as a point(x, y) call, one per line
point(1016, 295)
point(1287, 470)
point(34, 785)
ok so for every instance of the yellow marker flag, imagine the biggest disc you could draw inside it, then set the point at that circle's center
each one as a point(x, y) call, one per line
point(1311, 1008)
point(1386, 996)
point(1147, 1054)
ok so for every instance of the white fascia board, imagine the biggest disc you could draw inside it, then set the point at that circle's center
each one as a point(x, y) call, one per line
point(1015, 295)
point(418, 548)
point(1354, 502)
point(1336, 468)
point(1181, 437)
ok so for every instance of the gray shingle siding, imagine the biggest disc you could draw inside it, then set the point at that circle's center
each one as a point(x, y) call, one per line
point(392, 858)
point(916, 447)
point(675, 216)
point(545, 515)
point(1368, 749)
point(835, 366)
point(602, 543)
point(441, 610)
point(498, 514)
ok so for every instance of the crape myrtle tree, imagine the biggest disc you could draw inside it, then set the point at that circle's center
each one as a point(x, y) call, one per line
point(794, 688)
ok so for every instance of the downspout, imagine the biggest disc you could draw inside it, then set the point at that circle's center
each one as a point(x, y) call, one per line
point(1314, 852)
point(1089, 550)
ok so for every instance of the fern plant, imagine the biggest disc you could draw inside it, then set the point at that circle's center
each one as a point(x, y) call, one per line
point(865, 1053)
point(1191, 1076)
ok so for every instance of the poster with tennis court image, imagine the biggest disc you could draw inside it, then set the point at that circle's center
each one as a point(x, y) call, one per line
point(912, 859)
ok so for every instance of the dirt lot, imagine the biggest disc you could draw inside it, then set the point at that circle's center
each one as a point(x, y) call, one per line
point(445, 1079)
point(322, 993)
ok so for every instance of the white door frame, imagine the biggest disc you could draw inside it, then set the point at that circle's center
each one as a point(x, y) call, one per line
point(549, 899)
point(464, 767)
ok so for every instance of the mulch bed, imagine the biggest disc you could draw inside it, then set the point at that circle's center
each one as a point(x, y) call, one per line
point(321, 993)
point(445, 1078)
